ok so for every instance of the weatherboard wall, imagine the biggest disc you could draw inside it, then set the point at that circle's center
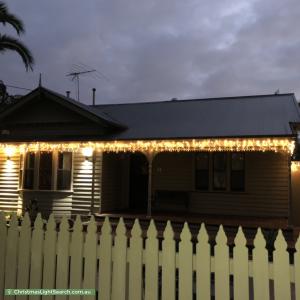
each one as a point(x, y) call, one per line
point(266, 192)
point(9, 182)
point(76, 201)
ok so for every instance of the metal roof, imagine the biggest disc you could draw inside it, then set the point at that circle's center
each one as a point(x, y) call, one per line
point(249, 116)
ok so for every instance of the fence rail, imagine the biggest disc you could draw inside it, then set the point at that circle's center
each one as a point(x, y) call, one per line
point(136, 265)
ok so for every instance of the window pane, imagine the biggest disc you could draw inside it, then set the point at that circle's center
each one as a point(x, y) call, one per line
point(237, 161)
point(202, 171)
point(29, 171)
point(202, 161)
point(64, 171)
point(45, 171)
point(237, 177)
point(220, 171)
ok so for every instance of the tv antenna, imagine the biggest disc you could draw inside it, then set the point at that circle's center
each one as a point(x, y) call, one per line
point(76, 75)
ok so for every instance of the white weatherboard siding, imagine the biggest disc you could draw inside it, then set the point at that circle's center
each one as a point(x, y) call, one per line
point(82, 183)
point(78, 200)
point(9, 182)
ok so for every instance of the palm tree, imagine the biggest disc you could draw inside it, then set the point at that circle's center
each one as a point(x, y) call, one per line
point(10, 43)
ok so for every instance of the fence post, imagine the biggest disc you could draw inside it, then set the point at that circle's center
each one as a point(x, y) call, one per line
point(11, 255)
point(62, 271)
point(185, 264)
point(119, 263)
point(135, 262)
point(260, 268)
point(222, 288)
point(105, 261)
point(281, 264)
point(151, 263)
point(168, 264)
point(49, 257)
point(203, 260)
point(240, 267)
point(76, 254)
point(36, 255)
point(90, 256)
point(24, 255)
point(3, 236)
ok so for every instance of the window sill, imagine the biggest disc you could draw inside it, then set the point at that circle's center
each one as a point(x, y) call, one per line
point(220, 192)
point(46, 191)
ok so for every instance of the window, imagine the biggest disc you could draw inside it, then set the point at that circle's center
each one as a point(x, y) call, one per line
point(220, 171)
point(237, 176)
point(202, 171)
point(64, 169)
point(47, 171)
point(28, 181)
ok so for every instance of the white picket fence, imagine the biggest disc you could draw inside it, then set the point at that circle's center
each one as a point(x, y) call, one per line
point(136, 265)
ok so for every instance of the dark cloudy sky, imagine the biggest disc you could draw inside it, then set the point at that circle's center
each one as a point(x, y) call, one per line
point(152, 50)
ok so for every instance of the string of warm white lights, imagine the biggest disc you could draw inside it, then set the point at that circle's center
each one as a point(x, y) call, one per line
point(212, 145)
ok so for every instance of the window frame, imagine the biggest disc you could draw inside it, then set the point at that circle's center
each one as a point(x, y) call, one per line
point(54, 173)
point(198, 169)
point(243, 170)
point(228, 188)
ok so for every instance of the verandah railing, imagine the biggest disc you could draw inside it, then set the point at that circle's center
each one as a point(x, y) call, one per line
point(136, 265)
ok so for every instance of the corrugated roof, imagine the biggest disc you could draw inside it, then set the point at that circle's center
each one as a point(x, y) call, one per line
point(250, 116)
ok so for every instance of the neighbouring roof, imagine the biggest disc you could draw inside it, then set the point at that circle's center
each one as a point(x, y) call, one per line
point(249, 116)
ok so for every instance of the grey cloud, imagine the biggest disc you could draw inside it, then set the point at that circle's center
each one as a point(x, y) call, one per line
point(156, 50)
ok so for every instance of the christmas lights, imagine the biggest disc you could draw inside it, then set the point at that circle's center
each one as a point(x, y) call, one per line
point(284, 145)
point(295, 166)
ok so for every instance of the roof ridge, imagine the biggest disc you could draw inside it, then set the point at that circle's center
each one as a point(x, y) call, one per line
point(196, 99)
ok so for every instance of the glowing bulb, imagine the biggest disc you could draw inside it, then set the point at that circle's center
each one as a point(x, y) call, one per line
point(10, 151)
point(87, 152)
point(295, 166)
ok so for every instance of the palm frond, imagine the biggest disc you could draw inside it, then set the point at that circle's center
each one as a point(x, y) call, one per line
point(8, 18)
point(9, 43)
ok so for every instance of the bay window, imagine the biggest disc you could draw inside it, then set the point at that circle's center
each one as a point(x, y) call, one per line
point(47, 171)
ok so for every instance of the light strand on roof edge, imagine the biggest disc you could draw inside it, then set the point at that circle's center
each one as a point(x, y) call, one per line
point(211, 145)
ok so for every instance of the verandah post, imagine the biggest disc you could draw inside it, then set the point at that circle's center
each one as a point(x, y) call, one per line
point(150, 156)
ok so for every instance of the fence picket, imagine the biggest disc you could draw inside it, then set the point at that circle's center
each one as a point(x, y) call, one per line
point(119, 263)
point(90, 256)
point(151, 263)
point(105, 264)
point(297, 269)
point(62, 270)
point(222, 290)
point(41, 258)
point(76, 254)
point(260, 268)
point(185, 264)
point(36, 258)
point(11, 255)
point(24, 255)
point(168, 263)
point(3, 235)
point(49, 257)
point(203, 265)
point(281, 264)
point(240, 267)
point(135, 262)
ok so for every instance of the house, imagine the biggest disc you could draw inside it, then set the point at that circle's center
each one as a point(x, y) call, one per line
point(228, 156)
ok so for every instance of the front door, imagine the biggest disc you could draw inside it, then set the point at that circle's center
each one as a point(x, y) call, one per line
point(138, 193)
